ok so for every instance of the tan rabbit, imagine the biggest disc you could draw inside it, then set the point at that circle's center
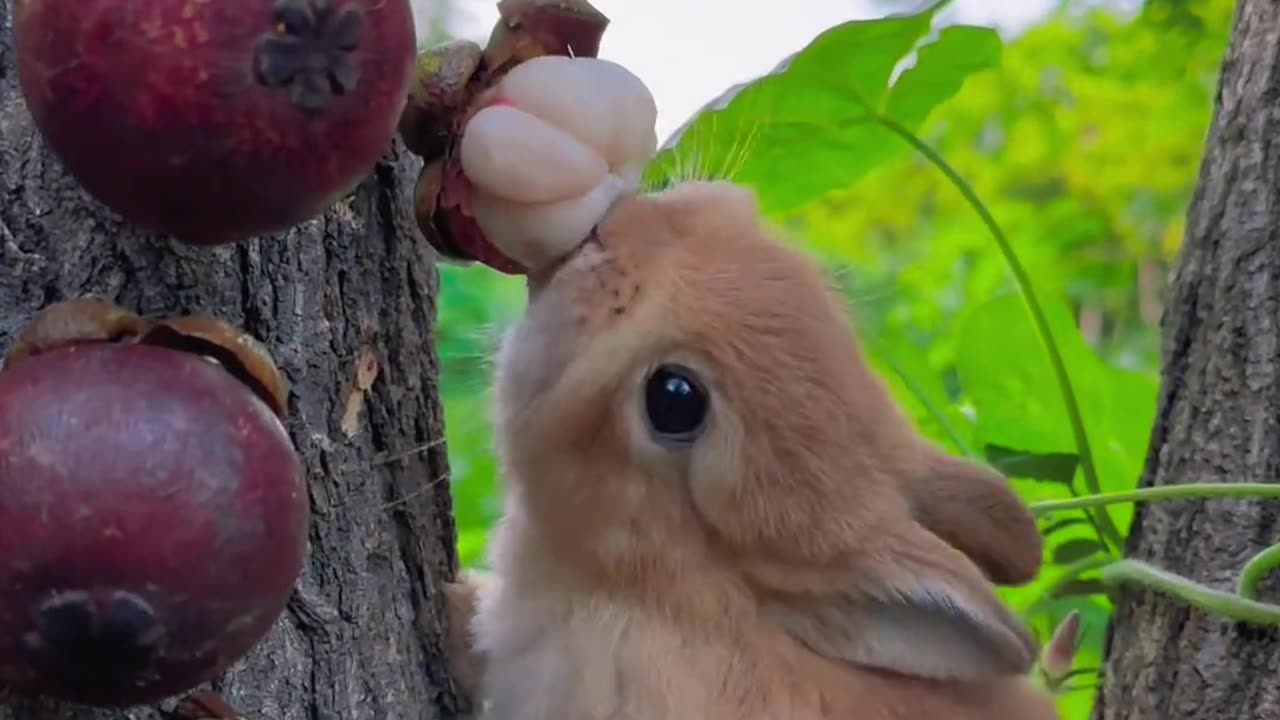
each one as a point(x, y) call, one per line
point(714, 509)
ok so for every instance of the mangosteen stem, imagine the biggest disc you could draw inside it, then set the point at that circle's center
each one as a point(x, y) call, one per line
point(311, 52)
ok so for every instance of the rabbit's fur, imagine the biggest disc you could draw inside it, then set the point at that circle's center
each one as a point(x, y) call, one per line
point(809, 557)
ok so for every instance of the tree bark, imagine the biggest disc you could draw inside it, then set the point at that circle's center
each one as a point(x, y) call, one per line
point(343, 300)
point(1218, 417)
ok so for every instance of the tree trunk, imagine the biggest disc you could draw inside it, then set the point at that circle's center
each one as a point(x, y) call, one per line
point(1218, 418)
point(340, 301)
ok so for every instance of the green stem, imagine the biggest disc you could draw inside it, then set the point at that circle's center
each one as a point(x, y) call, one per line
point(1222, 603)
point(1102, 519)
point(1242, 605)
point(1257, 568)
point(1071, 572)
point(1165, 492)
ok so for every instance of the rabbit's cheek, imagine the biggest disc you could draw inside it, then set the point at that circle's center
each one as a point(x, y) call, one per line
point(556, 332)
point(716, 470)
point(534, 354)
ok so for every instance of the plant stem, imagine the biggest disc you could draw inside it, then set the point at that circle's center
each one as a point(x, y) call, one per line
point(1242, 605)
point(1102, 519)
point(1256, 569)
point(1228, 605)
point(1189, 491)
point(1071, 572)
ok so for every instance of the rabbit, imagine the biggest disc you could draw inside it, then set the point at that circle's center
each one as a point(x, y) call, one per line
point(715, 510)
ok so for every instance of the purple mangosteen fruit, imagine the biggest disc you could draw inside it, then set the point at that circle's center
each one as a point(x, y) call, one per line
point(153, 510)
point(216, 120)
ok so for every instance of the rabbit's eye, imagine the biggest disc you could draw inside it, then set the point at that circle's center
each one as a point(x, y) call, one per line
point(676, 404)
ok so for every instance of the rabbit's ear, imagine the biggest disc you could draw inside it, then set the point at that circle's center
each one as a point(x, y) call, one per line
point(973, 508)
point(915, 606)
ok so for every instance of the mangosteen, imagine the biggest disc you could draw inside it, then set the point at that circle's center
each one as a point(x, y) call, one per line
point(451, 83)
point(216, 121)
point(153, 510)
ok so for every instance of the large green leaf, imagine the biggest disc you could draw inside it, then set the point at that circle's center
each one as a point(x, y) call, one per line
point(919, 389)
point(1050, 467)
point(815, 124)
point(1007, 377)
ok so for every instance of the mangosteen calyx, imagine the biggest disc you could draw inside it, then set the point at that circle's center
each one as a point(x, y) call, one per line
point(311, 51)
point(237, 353)
point(93, 643)
point(70, 322)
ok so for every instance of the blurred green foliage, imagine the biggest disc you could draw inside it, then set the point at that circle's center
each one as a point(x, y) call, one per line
point(1082, 137)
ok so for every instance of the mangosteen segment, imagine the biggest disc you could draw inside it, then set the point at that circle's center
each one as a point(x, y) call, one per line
point(452, 82)
point(312, 52)
point(95, 643)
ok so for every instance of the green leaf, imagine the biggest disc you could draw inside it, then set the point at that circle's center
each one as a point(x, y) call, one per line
point(812, 125)
point(940, 71)
point(1077, 549)
point(1062, 524)
point(1057, 467)
point(1082, 588)
point(914, 384)
point(1008, 379)
point(1084, 672)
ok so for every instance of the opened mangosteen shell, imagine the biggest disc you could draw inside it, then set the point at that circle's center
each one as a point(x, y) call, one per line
point(451, 82)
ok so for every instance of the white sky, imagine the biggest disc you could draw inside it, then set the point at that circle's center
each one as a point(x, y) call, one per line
point(689, 51)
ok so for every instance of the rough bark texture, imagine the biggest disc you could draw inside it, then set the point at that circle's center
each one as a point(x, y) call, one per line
point(337, 298)
point(1218, 418)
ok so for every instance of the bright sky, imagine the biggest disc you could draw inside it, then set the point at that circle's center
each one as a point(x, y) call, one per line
point(689, 51)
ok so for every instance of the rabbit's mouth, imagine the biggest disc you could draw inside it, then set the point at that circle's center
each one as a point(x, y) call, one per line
point(540, 279)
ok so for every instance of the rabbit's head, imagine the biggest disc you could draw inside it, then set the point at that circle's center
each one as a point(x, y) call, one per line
point(684, 402)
